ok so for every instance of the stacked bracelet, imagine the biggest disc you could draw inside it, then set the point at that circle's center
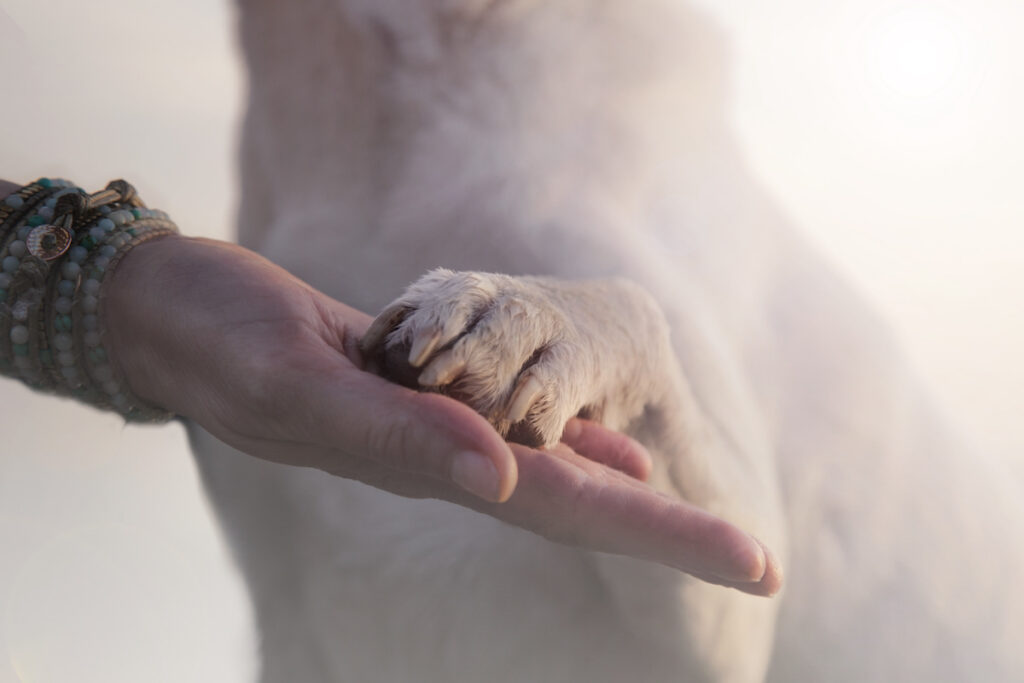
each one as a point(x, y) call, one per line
point(57, 246)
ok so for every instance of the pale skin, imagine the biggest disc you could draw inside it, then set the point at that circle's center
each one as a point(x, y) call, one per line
point(217, 334)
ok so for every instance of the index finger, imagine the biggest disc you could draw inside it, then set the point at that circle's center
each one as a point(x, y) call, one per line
point(568, 499)
point(614, 449)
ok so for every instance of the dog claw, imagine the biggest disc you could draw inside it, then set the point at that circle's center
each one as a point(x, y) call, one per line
point(528, 391)
point(423, 344)
point(381, 326)
point(442, 370)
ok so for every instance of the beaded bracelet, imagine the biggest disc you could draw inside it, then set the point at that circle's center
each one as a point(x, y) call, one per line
point(57, 246)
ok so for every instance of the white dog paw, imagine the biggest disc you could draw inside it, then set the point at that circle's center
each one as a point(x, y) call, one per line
point(505, 346)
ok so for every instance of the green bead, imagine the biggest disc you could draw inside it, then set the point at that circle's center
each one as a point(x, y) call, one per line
point(98, 355)
point(35, 220)
point(62, 323)
point(45, 182)
point(3, 295)
point(88, 242)
point(130, 231)
point(20, 349)
point(137, 213)
point(97, 273)
point(46, 358)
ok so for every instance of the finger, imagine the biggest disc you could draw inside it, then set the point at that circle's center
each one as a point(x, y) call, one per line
point(569, 500)
point(345, 465)
point(614, 449)
point(539, 503)
point(770, 583)
point(366, 416)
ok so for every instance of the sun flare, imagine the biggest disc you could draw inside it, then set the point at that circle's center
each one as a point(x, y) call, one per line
point(921, 62)
point(918, 52)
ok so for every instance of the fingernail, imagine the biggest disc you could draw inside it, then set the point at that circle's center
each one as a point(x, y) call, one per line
point(476, 474)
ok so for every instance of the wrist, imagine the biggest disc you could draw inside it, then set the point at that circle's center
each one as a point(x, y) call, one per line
point(58, 245)
point(135, 304)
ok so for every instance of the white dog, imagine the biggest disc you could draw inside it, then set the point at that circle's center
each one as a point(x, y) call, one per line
point(577, 142)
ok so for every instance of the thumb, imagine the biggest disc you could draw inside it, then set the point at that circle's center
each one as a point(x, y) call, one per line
point(366, 416)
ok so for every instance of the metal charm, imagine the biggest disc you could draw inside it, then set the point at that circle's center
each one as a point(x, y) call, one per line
point(48, 242)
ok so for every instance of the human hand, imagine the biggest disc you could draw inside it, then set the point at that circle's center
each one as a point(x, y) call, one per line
point(270, 366)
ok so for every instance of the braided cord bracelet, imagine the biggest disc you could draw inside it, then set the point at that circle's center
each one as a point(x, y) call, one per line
point(58, 244)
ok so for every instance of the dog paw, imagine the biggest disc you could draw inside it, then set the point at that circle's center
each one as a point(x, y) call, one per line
point(505, 346)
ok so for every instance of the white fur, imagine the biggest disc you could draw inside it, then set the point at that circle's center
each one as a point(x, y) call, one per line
point(588, 139)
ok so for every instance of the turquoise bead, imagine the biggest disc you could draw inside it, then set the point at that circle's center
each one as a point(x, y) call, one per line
point(19, 334)
point(20, 349)
point(35, 220)
point(3, 295)
point(63, 305)
point(70, 270)
point(46, 358)
point(62, 342)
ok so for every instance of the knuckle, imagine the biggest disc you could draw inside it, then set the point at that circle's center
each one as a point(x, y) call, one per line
point(393, 442)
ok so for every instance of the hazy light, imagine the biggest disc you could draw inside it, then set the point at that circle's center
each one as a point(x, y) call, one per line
point(921, 64)
point(919, 52)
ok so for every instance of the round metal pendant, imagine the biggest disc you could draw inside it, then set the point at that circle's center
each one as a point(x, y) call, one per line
point(48, 242)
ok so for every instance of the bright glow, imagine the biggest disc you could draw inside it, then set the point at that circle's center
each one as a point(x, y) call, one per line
point(920, 66)
point(919, 52)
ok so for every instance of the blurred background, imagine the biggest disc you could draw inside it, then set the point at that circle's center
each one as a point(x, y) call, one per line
point(889, 129)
